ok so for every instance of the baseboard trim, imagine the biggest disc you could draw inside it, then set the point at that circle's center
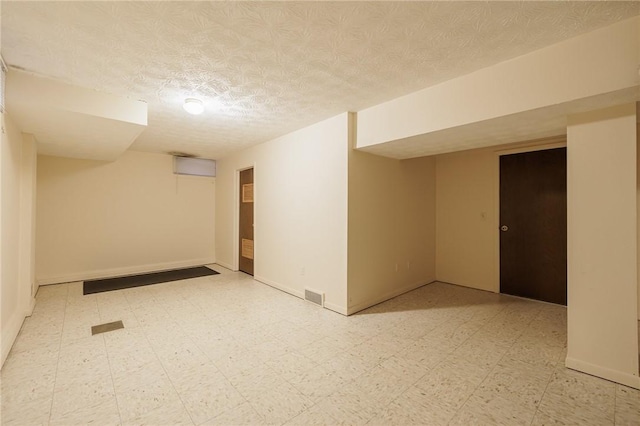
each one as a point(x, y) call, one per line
point(31, 307)
point(10, 333)
point(390, 295)
point(603, 372)
point(488, 290)
point(226, 265)
point(279, 286)
point(336, 308)
point(297, 293)
point(129, 270)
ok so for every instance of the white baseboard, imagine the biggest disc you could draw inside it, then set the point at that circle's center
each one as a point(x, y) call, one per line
point(298, 293)
point(227, 265)
point(279, 286)
point(116, 272)
point(32, 305)
point(9, 333)
point(336, 308)
point(603, 372)
point(384, 297)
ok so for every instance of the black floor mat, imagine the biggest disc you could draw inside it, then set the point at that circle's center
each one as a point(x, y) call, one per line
point(98, 286)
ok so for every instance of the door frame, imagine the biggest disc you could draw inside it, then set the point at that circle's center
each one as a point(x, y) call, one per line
point(236, 217)
point(551, 143)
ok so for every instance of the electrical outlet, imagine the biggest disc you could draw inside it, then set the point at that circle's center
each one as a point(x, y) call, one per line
point(302, 271)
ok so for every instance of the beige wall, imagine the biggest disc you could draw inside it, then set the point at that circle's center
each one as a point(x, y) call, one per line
point(466, 219)
point(467, 214)
point(300, 210)
point(28, 284)
point(101, 219)
point(17, 172)
point(602, 244)
point(391, 227)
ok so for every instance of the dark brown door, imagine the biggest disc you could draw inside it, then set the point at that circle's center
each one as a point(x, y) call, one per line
point(533, 225)
point(246, 221)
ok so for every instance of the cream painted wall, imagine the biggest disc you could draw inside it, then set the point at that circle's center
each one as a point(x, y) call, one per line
point(391, 227)
point(466, 219)
point(602, 244)
point(300, 210)
point(100, 219)
point(17, 168)
point(28, 284)
point(467, 214)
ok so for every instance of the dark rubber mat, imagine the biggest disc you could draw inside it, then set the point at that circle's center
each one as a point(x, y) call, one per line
point(98, 286)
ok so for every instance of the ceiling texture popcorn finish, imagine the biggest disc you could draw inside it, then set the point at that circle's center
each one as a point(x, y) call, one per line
point(264, 69)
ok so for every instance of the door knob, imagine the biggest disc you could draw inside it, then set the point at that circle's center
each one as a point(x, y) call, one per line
point(504, 228)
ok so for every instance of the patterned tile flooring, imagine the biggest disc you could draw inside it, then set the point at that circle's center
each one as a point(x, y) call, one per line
point(227, 350)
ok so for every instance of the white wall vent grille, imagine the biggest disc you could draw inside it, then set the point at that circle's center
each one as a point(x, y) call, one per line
point(194, 166)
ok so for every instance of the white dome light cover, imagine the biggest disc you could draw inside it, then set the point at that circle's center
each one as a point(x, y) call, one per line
point(193, 106)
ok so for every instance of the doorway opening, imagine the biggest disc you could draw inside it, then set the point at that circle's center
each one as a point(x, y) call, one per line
point(245, 222)
point(533, 225)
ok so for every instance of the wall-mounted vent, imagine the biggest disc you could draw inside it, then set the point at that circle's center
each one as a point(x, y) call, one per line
point(314, 297)
point(194, 166)
point(180, 154)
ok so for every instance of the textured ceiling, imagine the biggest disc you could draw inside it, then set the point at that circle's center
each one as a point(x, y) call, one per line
point(264, 69)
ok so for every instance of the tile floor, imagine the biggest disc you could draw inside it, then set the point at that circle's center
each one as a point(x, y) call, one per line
point(226, 350)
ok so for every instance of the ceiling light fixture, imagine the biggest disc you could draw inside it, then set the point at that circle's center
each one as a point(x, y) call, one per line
point(193, 106)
